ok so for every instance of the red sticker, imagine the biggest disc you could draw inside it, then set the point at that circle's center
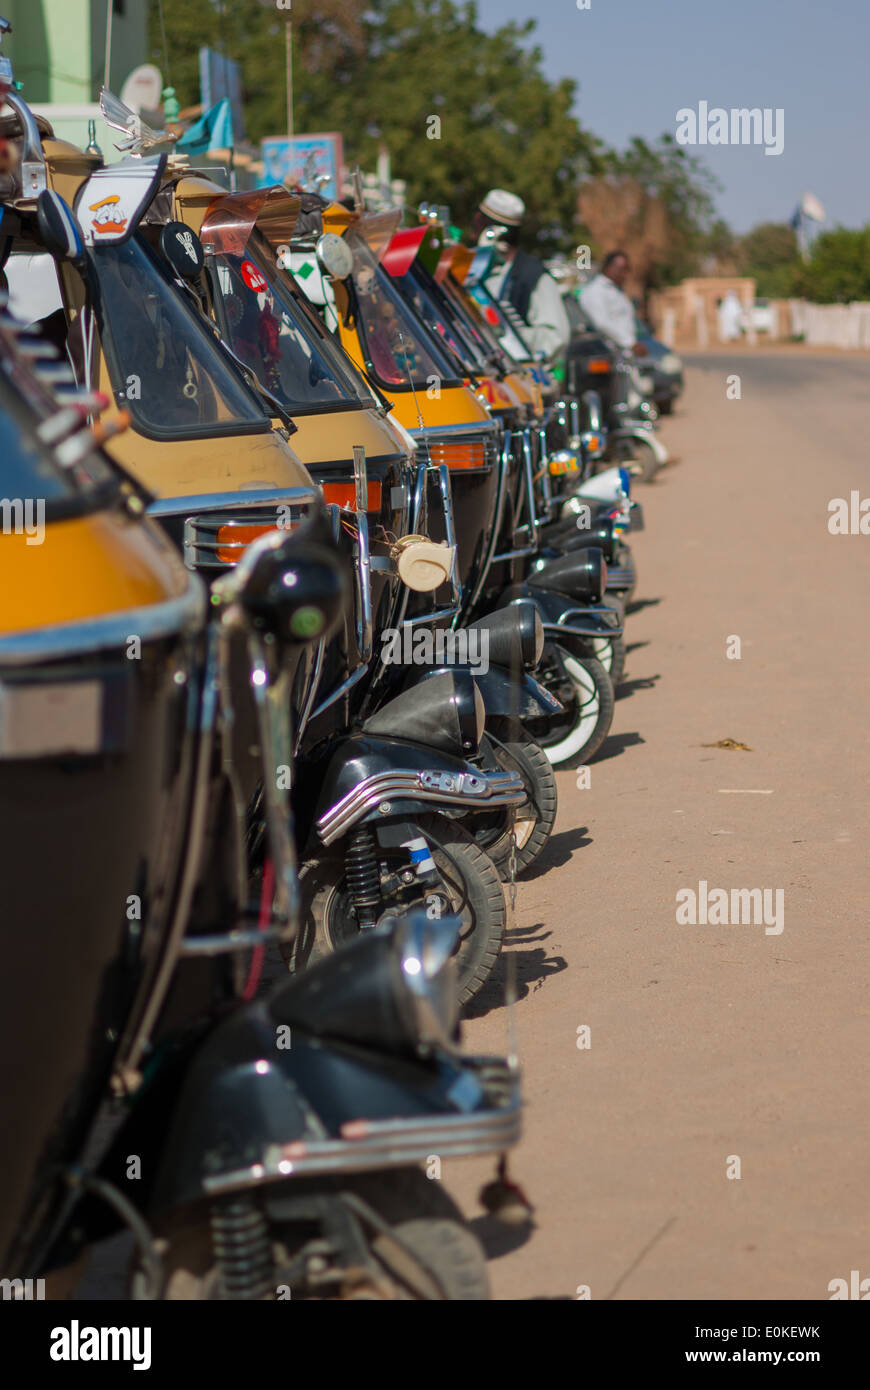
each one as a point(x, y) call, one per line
point(252, 277)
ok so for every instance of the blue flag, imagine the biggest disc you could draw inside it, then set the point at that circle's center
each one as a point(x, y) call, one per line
point(213, 131)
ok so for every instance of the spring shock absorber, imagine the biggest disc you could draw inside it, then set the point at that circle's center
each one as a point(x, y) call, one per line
point(363, 877)
point(240, 1237)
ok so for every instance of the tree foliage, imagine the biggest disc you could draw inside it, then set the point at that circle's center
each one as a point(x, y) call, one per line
point(380, 72)
point(769, 253)
point(681, 185)
point(838, 271)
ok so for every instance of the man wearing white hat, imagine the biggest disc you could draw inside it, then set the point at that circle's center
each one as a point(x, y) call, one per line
point(523, 279)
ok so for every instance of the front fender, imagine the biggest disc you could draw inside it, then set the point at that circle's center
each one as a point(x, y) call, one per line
point(265, 1101)
point(507, 697)
point(561, 612)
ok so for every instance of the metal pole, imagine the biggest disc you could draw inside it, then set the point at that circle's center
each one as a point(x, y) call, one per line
point(109, 8)
point(288, 41)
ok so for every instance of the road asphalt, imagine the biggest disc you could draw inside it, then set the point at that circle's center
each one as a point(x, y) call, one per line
point(712, 1139)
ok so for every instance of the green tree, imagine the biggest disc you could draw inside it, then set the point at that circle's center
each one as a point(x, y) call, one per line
point(388, 72)
point(769, 253)
point(838, 271)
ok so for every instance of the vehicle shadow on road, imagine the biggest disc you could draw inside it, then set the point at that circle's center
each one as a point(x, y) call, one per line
point(616, 744)
point(626, 689)
point(559, 850)
point(530, 968)
point(637, 605)
point(498, 1238)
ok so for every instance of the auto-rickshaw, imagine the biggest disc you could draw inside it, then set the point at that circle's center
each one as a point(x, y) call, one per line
point(99, 630)
point(524, 569)
point(266, 1172)
point(132, 322)
point(252, 298)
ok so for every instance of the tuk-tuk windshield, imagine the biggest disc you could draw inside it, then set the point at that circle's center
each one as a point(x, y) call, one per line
point(440, 317)
point(284, 344)
point(29, 472)
point(165, 365)
point(399, 351)
point(478, 326)
point(508, 335)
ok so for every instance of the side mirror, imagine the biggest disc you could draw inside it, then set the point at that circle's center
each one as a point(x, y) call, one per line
point(59, 228)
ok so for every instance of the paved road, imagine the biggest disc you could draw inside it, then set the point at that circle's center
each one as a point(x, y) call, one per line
point(711, 1042)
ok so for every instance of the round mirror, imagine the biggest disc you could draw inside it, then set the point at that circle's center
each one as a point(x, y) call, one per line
point(334, 255)
point(183, 250)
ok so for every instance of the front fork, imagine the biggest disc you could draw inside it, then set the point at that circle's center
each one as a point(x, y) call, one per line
point(368, 891)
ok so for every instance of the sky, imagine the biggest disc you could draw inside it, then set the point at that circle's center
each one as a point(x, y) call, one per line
point(638, 62)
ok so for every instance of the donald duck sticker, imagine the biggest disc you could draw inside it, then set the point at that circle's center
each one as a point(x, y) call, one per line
point(106, 218)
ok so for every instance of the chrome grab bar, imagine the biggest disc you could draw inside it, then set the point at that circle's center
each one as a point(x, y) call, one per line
point(33, 180)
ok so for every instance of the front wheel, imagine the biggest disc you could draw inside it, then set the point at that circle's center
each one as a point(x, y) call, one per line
point(586, 692)
point(514, 839)
point(393, 1235)
point(468, 886)
point(610, 651)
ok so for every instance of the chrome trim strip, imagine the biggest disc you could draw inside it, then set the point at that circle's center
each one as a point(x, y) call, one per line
point(560, 629)
point(484, 791)
point(165, 619)
point(607, 618)
point(340, 691)
point(221, 501)
point(489, 558)
point(433, 432)
point(383, 1144)
point(225, 943)
point(32, 174)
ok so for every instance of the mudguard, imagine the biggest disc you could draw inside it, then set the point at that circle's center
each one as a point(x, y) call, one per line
point(511, 695)
point(568, 539)
point(644, 435)
point(578, 572)
point(276, 1093)
point(561, 613)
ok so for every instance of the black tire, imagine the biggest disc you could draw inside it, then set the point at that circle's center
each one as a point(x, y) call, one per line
point(586, 691)
point(473, 888)
point(514, 750)
point(448, 1265)
point(425, 1218)
point(666, 407)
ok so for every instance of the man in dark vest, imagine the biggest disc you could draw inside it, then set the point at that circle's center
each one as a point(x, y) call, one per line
point(523, 280)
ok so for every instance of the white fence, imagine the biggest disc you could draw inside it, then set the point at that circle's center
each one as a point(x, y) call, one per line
point(831, 325)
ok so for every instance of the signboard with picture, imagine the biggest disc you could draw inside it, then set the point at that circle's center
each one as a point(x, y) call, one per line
point(314, 162)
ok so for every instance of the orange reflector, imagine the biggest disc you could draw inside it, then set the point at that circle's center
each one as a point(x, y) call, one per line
point(558, 466)
point(233, 539)
point(468, 453)
point(344, 495)
point(598, 364)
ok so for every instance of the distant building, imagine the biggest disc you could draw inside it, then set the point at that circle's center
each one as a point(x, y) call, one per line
point(58, 50)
